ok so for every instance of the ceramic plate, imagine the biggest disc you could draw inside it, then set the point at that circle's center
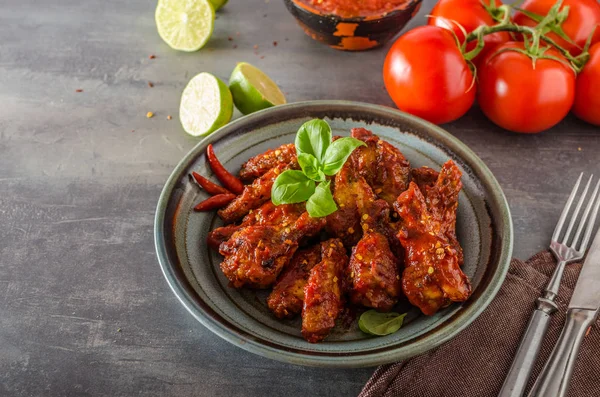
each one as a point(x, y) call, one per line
point(241, 316)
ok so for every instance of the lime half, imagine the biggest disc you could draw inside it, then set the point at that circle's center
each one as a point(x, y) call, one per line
point(185, 25)
point(218, 3)
point(206, 105)
point(253, 90)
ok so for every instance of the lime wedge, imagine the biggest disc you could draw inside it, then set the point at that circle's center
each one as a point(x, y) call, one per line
point(253, 90)
point(185, 25)
point(218, 3)
point(206, 105)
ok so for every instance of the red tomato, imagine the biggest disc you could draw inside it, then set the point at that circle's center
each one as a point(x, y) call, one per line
point(583, 16)
point(426, 75)
point(520, 98)
point(470, 14)
point(587, 94)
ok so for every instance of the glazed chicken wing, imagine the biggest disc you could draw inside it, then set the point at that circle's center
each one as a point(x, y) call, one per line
point(257, 166)
point(280, 216)
point(323, 292)
point(253, 196)
point(288, 293)
point(440, 190)
point(373, 270)
point(432, 277)
point(255, 255)
point(353, 196)
point(383, 166)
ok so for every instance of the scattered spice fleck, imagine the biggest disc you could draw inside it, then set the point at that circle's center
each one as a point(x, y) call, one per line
point(350, 230)
point(230, 38)
point(588, 331)
point(262, 57)
point(264, 15)
point(579, 149)
point(255, 46)
point(152, 56)
point(286, 39)
point(169, 117)
point(132, 130)
point(79, 90)
point(149, 114)
point(274, 44)
point(237, 33)
point(150, 84)
point(235, 46)
point(118, 329)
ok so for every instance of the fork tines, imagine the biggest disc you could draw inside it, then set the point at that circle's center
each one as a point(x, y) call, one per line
point(585, 218)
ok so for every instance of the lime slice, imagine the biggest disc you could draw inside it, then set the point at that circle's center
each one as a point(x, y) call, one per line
point(206, 105)
point(185, 25)
point(253, 90)
point(218, 3)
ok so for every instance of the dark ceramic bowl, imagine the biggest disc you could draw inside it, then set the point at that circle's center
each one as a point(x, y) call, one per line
point(356, 33)
point(242, 317)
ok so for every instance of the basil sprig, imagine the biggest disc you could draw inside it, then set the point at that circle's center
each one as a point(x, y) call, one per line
point(375, 323)
point(318, 158)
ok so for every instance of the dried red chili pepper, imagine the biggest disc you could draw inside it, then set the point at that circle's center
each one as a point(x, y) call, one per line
point(229, 181)
point(210, 187)
point(214, 202)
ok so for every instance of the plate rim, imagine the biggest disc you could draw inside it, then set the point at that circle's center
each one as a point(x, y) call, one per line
point(247, 341)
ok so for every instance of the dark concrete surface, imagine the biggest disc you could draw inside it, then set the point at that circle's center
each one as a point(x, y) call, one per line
point(84, 308)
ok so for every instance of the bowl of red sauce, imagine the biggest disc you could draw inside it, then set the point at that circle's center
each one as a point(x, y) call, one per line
point(353, 25)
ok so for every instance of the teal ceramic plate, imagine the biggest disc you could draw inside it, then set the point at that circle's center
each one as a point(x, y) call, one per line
point(240, 316)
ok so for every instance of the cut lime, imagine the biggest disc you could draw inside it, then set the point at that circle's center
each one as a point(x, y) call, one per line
point(218, 3)
point(185, 25)
point(206, 105)
point(253, 90)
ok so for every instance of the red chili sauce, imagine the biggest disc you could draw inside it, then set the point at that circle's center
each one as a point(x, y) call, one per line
point(354, 8)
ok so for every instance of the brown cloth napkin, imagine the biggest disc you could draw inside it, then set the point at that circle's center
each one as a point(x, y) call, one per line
point(476, 361)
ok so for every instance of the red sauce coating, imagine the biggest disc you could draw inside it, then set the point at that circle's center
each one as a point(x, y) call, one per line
point(354, 8)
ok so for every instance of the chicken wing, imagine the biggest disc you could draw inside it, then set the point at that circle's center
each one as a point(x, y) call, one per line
point(280, 216)
point(432, 277)
point(255, 255)
point(323, 292)
point(441, 195)
point(253, 196)
point(374, 275)
point(383, 166)
point(353, 196)
point(288, 293)
point(257, 166)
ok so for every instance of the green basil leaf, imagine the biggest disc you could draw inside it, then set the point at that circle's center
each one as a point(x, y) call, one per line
point(310, 167)
point(314, 137)
point(321, 203)
point(373, 322)
point(292, 187)
point(337, 154)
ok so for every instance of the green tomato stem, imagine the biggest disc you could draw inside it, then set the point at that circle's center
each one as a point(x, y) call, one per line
point(509, 27)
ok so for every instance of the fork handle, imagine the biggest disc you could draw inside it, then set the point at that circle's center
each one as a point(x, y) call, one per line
point(529, 348)
point(556, 375)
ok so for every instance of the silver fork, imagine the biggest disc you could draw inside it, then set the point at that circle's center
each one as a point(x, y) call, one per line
point(529, 348)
